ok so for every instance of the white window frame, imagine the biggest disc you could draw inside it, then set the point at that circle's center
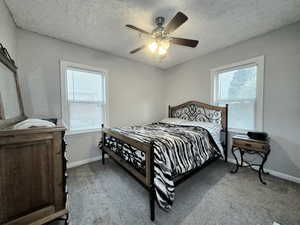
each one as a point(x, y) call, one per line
point(64, 65)
point(259, 62)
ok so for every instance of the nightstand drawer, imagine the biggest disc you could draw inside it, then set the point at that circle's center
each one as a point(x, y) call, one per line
point(250, 145)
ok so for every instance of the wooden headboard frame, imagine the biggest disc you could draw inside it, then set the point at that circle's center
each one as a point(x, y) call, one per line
point(198, 111)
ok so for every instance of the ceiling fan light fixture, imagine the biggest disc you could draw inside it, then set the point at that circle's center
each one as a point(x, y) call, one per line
point(159, 46)
point(165, 44)
point(162, 51)
point(153, 46)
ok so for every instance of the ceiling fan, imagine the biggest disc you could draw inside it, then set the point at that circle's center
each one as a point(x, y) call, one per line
point(159, 38)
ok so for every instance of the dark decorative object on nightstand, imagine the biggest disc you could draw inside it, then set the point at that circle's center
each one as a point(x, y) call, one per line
point(245, 144)
point(263, 136)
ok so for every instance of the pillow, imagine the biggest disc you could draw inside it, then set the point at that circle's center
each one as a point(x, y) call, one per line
point(207, 125)
point(172, 121)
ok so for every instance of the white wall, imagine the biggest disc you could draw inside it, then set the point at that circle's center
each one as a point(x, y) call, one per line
point(281, 48)
point(7, 30)
point(134, 89)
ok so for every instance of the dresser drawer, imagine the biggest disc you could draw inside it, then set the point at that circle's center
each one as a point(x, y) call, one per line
point(24, 138)
point(250, 145)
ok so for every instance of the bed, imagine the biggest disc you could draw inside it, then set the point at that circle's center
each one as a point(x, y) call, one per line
point(164, 154)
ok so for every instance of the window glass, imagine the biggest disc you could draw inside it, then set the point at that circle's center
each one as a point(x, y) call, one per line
point(86, 99)
point(237, 88)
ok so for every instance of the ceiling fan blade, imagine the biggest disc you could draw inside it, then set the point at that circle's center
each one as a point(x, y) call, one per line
point(137, 29)
point(137, 49)
point(185, 42)
point(176, 22)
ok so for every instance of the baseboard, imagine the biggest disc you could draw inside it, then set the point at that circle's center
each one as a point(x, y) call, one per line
point(276, 173)
point(82, 162)
point(272, 172)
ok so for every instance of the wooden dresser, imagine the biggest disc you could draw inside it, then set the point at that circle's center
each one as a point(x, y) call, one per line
point(32, 160)
point(32, 176)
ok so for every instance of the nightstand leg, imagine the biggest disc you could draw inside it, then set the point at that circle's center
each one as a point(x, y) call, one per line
point(261, 168)
point(264, 172)
point(103, 157)
point(67, 219)
point(236, 167)
point(260, 178)
point(242, 157)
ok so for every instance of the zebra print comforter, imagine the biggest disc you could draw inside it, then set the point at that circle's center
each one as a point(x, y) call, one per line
point(177, 150)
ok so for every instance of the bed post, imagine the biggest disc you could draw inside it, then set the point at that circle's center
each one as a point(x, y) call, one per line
point(152, 190)
point(226, 134)
point(169, 111)
point(103, 143)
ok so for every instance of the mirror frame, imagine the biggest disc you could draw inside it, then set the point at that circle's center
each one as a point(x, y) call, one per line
point(7, 61)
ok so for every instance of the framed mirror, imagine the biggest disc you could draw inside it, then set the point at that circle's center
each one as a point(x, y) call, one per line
point(11, 106)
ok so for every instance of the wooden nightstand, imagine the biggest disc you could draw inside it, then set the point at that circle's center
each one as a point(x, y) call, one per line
point(251, 146)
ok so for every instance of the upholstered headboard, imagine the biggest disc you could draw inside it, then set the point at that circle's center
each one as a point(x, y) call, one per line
point(198, 111)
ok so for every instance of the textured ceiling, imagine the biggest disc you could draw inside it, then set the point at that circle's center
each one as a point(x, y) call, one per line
point(100, 24)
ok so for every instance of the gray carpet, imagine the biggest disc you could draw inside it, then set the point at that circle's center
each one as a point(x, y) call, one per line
point(108, 195)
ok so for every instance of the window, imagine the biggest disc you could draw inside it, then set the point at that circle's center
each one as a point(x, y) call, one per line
point(240, 85)
point(83, 97)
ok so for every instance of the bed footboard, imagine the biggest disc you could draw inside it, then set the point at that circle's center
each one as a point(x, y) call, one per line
point(146, 180)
